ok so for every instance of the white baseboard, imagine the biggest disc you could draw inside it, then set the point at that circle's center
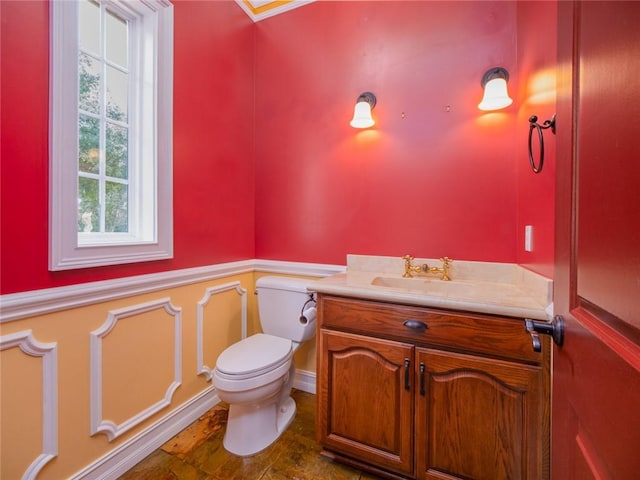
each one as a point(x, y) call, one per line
point(129, 454)
point(305, 381)
point(132, 452)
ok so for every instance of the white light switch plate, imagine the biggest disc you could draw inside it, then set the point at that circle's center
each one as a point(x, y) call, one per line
point(528, 238)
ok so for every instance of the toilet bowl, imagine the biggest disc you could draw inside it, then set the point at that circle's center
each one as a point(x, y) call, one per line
point(255, 375)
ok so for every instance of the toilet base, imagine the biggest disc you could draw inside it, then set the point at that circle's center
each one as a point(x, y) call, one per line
point(252, 428)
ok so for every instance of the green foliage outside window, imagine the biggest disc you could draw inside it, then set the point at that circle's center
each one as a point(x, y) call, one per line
point(115, 164)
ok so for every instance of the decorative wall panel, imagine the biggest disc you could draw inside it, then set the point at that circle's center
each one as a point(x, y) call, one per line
point(49, 403)
point(204, 369)
point(134, 366)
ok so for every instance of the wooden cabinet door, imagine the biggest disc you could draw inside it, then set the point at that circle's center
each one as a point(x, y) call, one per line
point(365, 405)
point(596, 372)
point(477, 418)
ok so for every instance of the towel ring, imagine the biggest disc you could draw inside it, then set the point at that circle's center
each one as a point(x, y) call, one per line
point(533, 124)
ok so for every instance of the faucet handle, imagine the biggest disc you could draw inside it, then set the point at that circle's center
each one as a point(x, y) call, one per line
point(407, 266)
point(446, 261)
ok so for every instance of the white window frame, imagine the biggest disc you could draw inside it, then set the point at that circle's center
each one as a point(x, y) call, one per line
point(151, 148)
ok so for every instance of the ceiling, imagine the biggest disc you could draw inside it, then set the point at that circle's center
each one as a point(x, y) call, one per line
point(261, 9)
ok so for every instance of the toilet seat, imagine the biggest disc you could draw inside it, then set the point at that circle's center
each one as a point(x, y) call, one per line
point(254, 355)
point(253, 361)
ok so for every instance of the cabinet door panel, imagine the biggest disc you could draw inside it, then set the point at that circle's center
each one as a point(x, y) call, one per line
point(366, 404)
point(478, 418)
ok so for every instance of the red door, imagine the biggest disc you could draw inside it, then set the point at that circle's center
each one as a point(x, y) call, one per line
point(596, 373)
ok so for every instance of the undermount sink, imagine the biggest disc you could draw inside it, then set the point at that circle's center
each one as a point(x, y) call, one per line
point(424, 285)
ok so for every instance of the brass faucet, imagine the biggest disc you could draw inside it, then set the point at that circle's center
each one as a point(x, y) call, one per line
point(409, 269)
point(444, 271)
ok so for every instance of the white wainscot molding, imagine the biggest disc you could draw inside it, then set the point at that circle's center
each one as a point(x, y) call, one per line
point(49, 354)
point(16, 306)
point(209, 292)
point(111, 429)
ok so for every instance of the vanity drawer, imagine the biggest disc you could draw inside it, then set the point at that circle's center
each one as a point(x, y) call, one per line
point(495, 336)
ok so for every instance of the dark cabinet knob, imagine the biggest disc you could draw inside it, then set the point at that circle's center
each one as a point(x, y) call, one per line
point(416, 325)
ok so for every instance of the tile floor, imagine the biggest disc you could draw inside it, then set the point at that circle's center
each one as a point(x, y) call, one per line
point(197, 453)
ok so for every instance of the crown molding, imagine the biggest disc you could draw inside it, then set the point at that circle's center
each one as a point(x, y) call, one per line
point(260, 9)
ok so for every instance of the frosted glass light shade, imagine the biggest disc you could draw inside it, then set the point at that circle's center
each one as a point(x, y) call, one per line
point(495, 90)
point(362, 116)
point(362, 112)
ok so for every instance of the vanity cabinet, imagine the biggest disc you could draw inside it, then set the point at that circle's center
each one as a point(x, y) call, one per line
point(415, 392)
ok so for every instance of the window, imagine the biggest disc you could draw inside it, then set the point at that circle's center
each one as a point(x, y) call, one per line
point(111, 131)
point(103, 122)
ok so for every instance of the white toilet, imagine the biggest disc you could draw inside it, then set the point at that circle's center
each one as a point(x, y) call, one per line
point(254, 376)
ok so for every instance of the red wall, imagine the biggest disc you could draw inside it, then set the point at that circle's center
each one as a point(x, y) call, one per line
point(286, 177)
point(429, 180)
point(213, 144)
point(537, 59)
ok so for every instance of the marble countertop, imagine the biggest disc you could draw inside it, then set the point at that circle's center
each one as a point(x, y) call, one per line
point(483, 287)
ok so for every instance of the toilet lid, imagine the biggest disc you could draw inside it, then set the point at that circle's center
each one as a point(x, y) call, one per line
point(254, 354)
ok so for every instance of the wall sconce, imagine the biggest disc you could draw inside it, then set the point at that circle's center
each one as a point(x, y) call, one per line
point(495, 97)
point(362, 113)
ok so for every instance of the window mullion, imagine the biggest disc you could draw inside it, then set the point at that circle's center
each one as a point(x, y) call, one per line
point(103, 117)
point(134, 196)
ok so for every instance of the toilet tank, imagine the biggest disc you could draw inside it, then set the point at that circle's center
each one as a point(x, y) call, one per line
point(281, 301)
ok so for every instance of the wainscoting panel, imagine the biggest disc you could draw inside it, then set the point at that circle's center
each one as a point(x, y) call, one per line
point(223, 313)
point(96, 376)
point(37, 441)
point(139, 369)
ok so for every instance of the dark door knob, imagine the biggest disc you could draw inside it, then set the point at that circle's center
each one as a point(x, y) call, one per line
point(555, 328)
